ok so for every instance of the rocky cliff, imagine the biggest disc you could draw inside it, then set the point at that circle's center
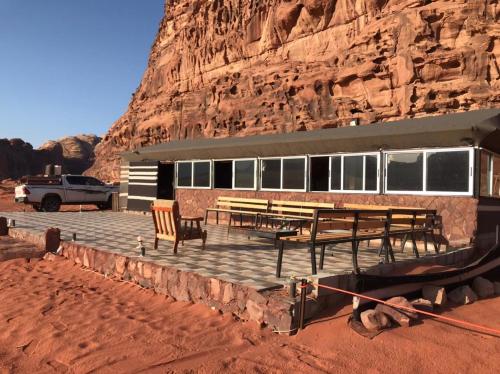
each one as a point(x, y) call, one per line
point(18, 158)
point(239, 67)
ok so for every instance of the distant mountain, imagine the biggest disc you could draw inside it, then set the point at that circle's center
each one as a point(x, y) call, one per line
point(74, 153)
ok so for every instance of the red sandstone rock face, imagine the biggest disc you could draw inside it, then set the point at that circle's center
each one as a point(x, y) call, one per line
point(18, 158)
point(239, 67)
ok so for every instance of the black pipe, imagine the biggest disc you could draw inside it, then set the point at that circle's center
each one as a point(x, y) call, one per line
point(303, 293)
point(292, 291)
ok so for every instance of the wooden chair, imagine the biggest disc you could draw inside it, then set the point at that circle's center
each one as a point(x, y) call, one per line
point(168, 224)
point(238, 206)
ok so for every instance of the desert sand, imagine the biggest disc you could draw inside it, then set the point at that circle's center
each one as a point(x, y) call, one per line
point(56, 316)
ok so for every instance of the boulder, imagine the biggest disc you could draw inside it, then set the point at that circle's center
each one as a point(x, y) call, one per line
point(374, 320)
point(462, 295)
point(423, 304)
point(52, 239)
point(483, 287)
point(435, 294)
point(400, 316)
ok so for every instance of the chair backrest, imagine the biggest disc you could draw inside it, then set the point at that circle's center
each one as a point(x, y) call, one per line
point(166, 218)
point(297, 208)
point(242, 204)
point(414, 217)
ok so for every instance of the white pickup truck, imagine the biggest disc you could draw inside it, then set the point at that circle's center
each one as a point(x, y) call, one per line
point(47, 194)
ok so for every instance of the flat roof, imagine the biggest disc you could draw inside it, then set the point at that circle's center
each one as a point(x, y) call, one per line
point(478, 128)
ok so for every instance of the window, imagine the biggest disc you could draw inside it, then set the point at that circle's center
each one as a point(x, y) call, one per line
point(195, 174)
point(283, 173)
point(94, 182)
point(353, 173)
point(490, 174)
point(76, 180)
point(404, 171)
point(244, 174)
point(495, 176)
point(448, 171)
point(349, 172)
point(184, 174)
point(294, 173)
point(434, 171)
point(223, 174)
point(336, 173)
point(271, 174)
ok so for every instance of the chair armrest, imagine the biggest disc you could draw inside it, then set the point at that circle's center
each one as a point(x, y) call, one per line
point(187, 218)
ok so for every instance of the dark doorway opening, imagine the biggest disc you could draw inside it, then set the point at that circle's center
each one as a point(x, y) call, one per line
point(166, 173)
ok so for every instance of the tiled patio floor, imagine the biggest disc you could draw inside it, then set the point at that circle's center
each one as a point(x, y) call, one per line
point(237, 259)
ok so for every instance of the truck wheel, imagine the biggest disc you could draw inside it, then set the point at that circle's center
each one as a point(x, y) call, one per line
point(105, 206)
point(51, 204)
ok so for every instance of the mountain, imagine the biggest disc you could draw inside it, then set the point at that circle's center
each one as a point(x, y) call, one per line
point(241, 67)
point(74, 153)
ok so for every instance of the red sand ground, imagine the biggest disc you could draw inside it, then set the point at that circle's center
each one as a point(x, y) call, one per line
point(58, 317)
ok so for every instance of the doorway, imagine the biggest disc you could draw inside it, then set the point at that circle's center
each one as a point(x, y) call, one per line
point(166, 173)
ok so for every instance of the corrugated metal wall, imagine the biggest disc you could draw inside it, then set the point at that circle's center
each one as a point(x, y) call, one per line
point(142, 185)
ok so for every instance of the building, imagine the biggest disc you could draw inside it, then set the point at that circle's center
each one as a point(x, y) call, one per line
point(450, 163)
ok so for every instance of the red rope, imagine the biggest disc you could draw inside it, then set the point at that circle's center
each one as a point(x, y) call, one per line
point(448, 319)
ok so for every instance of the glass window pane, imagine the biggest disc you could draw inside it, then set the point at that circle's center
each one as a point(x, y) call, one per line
point(184, 170)
point(319, 173)
point(448, 171)
point(371, 173)
point(485, 174)
point(336, 170)
point(294, 171)
point(496, 176)
point(271, 173)
point(244, 174)
point(353, 173)
point(404, 171)
point(201, 174)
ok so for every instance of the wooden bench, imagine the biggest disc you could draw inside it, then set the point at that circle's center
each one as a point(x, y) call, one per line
point(238, 206)
point(415, 220)
point(168, 224)
point(342, 226)
point(290, 211)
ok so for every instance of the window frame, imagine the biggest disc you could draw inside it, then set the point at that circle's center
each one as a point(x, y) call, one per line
point(255, 175)
point(342, 190)
point(192, 162)
point(306, 172)
point(491, 172)
point(424, 191)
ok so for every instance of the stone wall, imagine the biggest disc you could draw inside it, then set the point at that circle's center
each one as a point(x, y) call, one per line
point(458, 214)
point(270, 308)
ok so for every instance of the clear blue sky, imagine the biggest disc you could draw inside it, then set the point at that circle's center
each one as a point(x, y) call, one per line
point(70, 66)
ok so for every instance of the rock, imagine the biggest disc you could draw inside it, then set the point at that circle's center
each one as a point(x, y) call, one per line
point(49, 256)
point(75, 154)
point(241, 67)
point(435, 294)
point(462, 295)
point(483, 287)
point(52, 239)
point(496, 285)
point(255, 312)
point(400, 316)
point(374, 320)
point(423, 304)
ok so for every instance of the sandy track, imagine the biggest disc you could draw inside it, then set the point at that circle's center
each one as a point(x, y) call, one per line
point(56, 316)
